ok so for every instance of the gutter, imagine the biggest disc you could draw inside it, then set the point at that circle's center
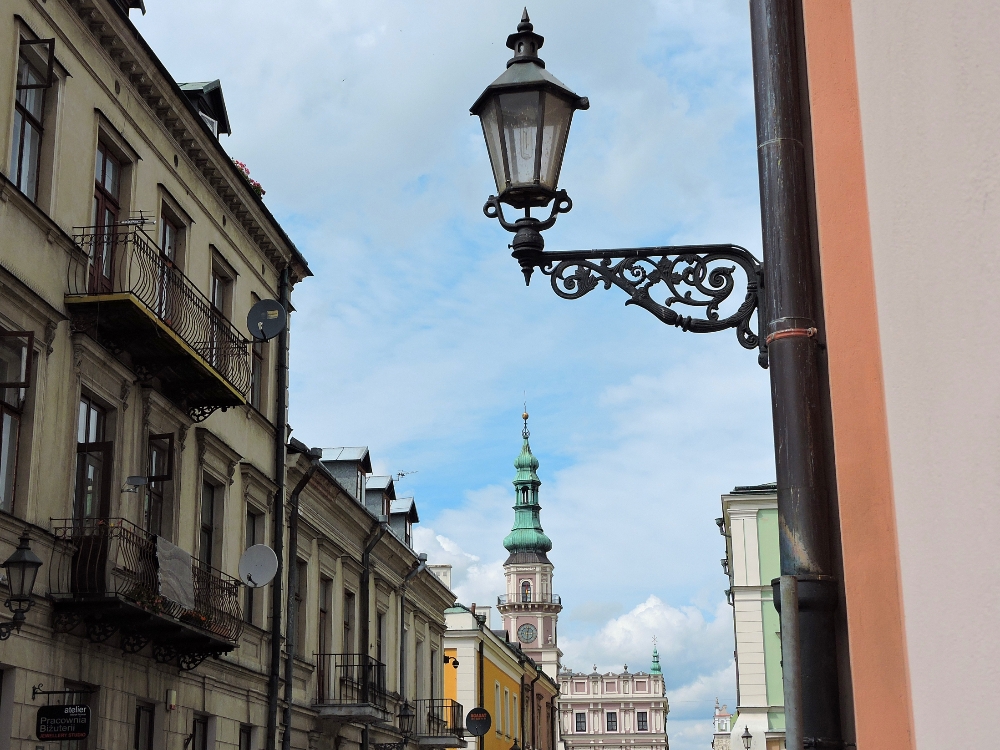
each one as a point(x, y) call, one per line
point(534, 729)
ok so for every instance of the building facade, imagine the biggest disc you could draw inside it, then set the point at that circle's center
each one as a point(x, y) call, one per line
point(900, 108)
point(529, 610)
point(140, 445)
point(484, 668)
point(722, 722)
point(750, 526)
point(622, 710)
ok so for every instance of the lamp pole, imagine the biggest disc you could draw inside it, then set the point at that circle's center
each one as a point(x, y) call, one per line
point(526, 115)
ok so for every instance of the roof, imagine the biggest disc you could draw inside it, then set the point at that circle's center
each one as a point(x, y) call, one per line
point(756, 489)
point(357, 454)
point(405, 505)
point(227, 159)
point(207, 98)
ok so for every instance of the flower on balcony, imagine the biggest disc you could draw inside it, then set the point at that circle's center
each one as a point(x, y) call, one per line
point(256, 186)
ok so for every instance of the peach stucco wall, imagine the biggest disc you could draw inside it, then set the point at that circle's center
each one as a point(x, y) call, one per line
point(925, 184)
point(861, 445)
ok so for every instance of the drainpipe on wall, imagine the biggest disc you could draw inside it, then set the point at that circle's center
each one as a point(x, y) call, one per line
point(534, 729)
point(376, 533)
point(278, 542)
point(793, 314)
point(293, 584)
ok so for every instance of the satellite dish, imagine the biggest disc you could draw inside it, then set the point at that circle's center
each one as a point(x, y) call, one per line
point(258, 566)
point(266, 320)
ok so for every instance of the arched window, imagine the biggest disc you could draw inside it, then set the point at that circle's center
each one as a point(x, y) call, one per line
point(525, 591)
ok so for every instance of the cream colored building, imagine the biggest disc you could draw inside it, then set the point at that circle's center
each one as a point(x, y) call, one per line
point(131, 249)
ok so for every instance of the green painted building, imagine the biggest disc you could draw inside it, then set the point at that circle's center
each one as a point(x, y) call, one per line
point(750, 523)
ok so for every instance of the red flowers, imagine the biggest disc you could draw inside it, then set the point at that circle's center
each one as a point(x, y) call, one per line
point(257, 188)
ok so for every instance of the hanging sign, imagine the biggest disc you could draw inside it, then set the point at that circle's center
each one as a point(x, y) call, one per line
point(62, 723)
point(478, 722)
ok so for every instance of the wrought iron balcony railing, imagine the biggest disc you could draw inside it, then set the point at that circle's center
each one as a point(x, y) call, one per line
point(439, 717)
point(124, 262)
point(350, 679)
point(110, 563)
point(531, 598)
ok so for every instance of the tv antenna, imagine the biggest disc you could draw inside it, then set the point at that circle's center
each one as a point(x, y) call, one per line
point(400, 474)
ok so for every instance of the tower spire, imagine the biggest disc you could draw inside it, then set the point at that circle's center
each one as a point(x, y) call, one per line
point(526, 540)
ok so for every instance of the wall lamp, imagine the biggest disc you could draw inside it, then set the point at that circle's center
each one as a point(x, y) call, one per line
point(22, 568)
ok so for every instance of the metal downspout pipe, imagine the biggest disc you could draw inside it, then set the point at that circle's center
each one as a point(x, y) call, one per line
point(376, 533)
point(278, 543)
point(534, 714)
point(794, 332)
point(293, 585)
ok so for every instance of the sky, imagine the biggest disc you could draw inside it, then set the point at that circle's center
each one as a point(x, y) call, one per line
point(418, 338)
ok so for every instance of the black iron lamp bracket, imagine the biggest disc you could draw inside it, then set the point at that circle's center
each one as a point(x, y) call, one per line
point(6, 628)
point(701, 277)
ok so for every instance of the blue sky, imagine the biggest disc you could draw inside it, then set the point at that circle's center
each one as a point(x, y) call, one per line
point(418, 338)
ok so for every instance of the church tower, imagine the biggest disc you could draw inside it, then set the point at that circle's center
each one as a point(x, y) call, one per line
point(529, 610)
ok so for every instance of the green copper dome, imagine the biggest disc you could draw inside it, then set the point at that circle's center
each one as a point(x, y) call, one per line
point(655, 669)
point(527, 535)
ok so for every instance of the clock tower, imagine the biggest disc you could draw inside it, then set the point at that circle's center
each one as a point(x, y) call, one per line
point(529, 610)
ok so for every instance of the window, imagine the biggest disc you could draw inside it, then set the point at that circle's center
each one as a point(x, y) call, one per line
point(301, 591)
point(525, 591)
point(246, 734)
point(325, 587)
point(78, 694)
point(506, 712)
point(34, 76)
point(160, 470)
point(642, 721)
point(612, 721)
point(257, 371)
point(434, 669)
point(379, 635)
point(93, 462)
point(419, 671)
point(170, 232)
point(199, 733)
point(496, 711)
point(143, 727)
point(206, 544)
point(254, 534)
point(348, 622)
point(15, 372)
point(581, 722)
point(516, 716)
point(107, 185)
point(220, 291)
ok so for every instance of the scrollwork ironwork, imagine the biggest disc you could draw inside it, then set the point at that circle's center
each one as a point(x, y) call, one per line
point(697, 277)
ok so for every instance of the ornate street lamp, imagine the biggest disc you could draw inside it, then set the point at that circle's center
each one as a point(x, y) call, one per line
point(780, 314)
point(747, 738)
point(406, 718)
point(22, 568)
point(526, 115)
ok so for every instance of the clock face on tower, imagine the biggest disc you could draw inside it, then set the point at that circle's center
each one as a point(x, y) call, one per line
point(527, 633)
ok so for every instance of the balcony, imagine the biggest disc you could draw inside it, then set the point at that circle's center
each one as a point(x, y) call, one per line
point(439, 722)
point(129, 296)
point(532, 598)
point(351, 687)
point(109, 576)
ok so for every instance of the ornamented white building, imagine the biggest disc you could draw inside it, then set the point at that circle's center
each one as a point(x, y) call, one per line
point(609, 711)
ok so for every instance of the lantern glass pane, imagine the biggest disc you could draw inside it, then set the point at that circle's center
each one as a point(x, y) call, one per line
point(16, 579)
point(491, 131)
point(558, 114)
point(521, 112)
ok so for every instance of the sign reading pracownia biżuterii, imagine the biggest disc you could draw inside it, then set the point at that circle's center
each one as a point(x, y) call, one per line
point(478, 722)
point(62, 723)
